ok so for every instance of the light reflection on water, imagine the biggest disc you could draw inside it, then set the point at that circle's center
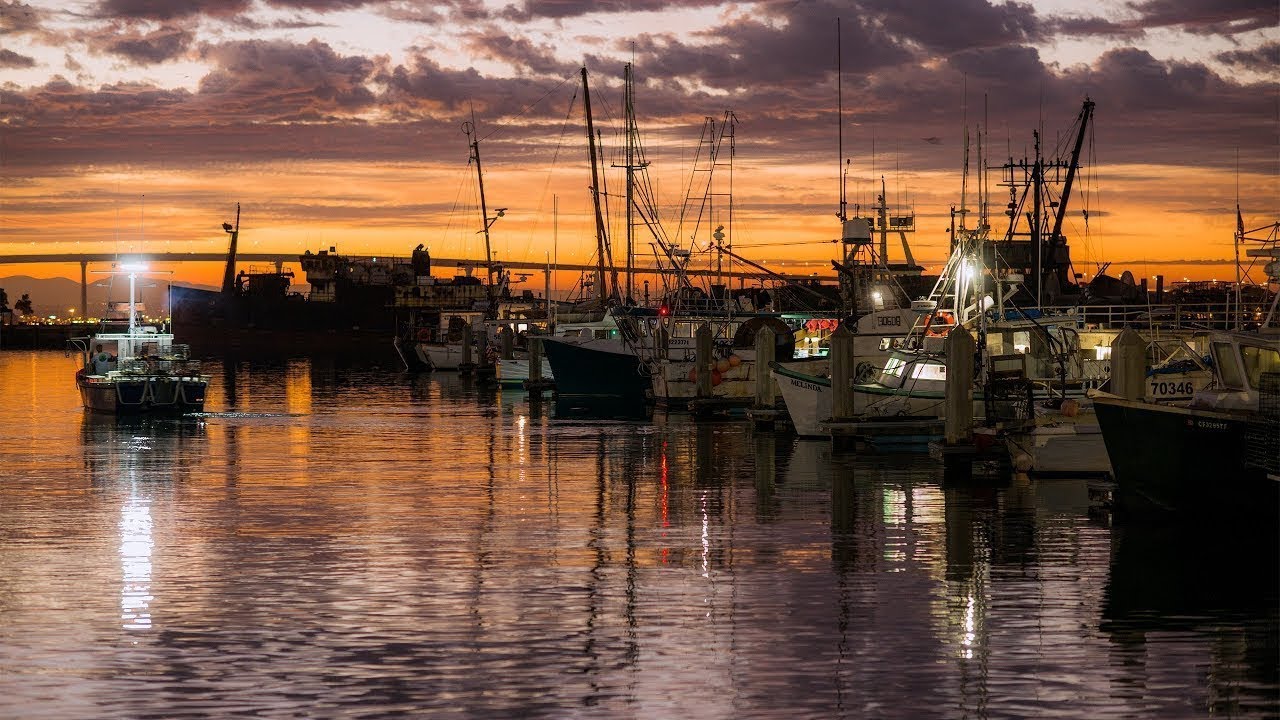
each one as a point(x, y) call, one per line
point(328, 541)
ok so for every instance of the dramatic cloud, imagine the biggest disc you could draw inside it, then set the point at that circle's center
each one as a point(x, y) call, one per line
point(157, 46)
point(169, 10)
point(11, 59)
point(1263, 59)
point(561, 9)
point(280, 81)
point(1217, 17)
point(17, 18)
point(186, 88)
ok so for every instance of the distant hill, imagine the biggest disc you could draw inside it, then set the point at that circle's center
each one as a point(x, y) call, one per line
point(53, 296)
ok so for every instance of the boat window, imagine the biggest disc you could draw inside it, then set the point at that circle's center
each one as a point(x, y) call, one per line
point(893, 367)
point(1258, 360)
point(1228, 368)
point(929, 371)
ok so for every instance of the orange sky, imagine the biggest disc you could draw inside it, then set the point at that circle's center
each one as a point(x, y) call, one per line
point(131, 128)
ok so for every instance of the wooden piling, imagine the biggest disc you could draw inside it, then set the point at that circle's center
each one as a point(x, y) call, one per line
point(958, 398)
point(468, 341)
point(763, 411)
point(841, 356)
point(1129, 365)
point(508, 339)
point(703, 358)
point(535, 359)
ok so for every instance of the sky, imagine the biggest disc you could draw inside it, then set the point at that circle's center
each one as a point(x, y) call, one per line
point(137, 125)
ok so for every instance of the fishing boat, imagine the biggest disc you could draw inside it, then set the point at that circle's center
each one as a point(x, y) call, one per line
point(1222, 449)
point(138, 370)
point(998, 290)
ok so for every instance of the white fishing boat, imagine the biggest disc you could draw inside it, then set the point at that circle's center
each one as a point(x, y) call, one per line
point(138, 370)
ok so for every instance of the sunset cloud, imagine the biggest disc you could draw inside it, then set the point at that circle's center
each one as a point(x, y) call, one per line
point(176, 92)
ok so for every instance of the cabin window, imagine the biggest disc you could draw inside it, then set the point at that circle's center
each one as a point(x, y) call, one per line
point(894, 366)
point(1259, 360)
point(1022, 342)
point(929, 371)
point(1228, 368)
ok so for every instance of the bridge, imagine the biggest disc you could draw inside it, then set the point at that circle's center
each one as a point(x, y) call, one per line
point(279, 259)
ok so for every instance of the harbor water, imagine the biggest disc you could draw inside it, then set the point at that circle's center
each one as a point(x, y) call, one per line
point(330, 541)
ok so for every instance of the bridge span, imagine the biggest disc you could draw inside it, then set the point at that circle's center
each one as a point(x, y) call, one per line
point(280, 259)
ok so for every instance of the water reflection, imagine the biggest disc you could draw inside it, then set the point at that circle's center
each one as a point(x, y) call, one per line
point(383, 545)
point(132, 461)
point(136, 545)
point(1208, 595)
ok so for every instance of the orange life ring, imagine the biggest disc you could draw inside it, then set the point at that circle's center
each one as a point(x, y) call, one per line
point(941, 323)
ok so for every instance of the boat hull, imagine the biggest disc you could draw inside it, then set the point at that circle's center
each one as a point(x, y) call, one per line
point(1183, 459)
point(143, 395)
point(514, 372)
point(1066, 449)
point(581, 369)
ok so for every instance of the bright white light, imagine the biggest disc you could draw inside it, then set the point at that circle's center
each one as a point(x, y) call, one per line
point(134, 266)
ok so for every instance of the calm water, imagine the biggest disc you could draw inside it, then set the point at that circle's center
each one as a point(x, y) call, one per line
point(332, 542)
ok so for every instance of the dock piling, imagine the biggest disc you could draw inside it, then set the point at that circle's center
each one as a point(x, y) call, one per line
point(841, 355)
point(763, 411)
point(1129, 365)
point(703, 358)
point(958, 392)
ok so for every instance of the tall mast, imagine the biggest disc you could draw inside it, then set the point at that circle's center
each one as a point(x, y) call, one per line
point(840, 127)
point(474, 141)
point(1037, 241)
point(630, 110)
point(1055, 237)
point(602, 239)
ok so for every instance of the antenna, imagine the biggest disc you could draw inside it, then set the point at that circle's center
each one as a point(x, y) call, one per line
point(841, 166)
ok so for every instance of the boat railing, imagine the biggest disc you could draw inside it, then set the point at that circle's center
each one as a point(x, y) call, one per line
point(1167, 316)
point(168, 365)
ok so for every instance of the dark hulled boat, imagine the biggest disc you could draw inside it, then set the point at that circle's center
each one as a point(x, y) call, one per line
point(1222, 452)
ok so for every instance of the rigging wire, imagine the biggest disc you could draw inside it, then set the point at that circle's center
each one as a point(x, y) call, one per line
point(503, 124)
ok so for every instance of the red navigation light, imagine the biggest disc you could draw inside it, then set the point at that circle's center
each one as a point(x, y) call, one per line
point(664, 311)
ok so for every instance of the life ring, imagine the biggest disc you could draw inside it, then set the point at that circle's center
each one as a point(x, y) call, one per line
point(941, 323)
point(424, 335)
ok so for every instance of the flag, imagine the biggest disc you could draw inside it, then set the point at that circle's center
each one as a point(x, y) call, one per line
point(1239, 222)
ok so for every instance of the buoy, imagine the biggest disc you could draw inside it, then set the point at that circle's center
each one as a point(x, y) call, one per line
point(715, 378)
point(722, 365)
point(693, 374)
point(734, 361)
point(1070, 407)
point(941, 323)
point(1022, 462)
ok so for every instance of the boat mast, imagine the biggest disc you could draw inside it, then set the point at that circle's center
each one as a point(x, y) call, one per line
point(628, 100)
point(469, 128)
point(602, 239)
point(1055, 238)
point(840, 162)
point(1037, 244)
